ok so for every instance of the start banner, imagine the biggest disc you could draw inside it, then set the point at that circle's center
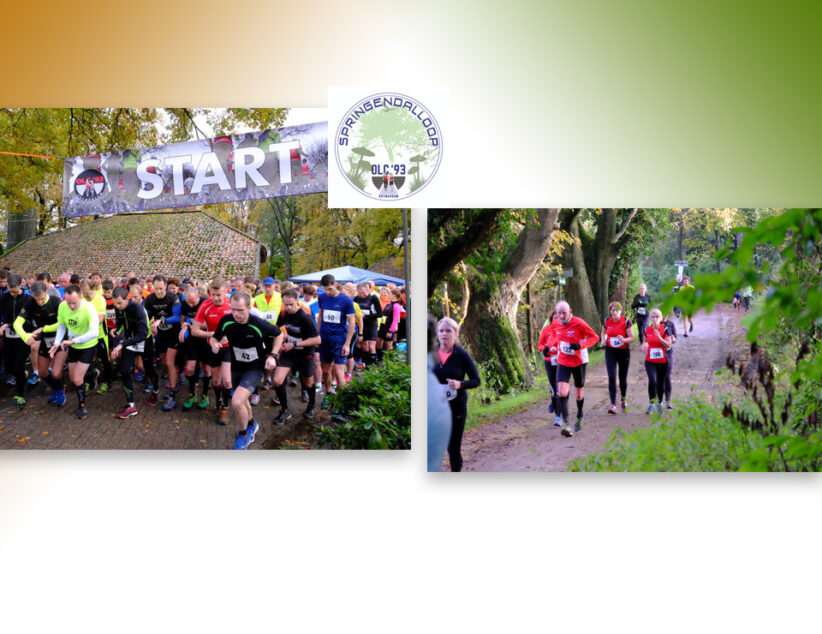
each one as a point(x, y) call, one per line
point(267, 164)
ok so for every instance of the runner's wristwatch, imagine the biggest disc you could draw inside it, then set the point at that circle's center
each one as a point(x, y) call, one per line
point(275, 355)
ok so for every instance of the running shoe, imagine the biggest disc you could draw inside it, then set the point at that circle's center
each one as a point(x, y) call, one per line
point(692, 326)
point(292, 382)
point(11, 380)
point(267, 384)
point(551, 407)
point(275, 400)
point(324, 404)
point(557, 420)
point(203, 404)
point(152, 400)
point(21, 402)
point(578, 425)
point(309, 413)
point(81, 412)
point(242, 441)
point(52, 397)
point(251, 432)
point(668, 405)
point(282, 417)
point(659, 407)
point(139, 376)
point(222, 416)
point(624, 407)
point(189, 402)
point(566, 431)
point(304, 397)
point(170, 403)
point(34, 380)
point(685, 333)
point(651, 408)
point(332, 389)
point(104, 387)
point(612, 410)
point(255, 399)
point(128, 411)
point(60, 399)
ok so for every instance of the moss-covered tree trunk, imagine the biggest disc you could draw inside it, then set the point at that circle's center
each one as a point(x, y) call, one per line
point(490, 326)
point(578, 291)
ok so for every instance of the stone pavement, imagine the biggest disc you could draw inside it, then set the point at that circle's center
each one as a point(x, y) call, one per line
point(44, 426)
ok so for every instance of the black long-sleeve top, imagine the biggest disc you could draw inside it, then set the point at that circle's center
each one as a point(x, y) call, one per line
point(642, 301)
point(457, 366)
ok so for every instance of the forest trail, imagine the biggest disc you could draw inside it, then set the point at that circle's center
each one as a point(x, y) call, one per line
point(528, 440)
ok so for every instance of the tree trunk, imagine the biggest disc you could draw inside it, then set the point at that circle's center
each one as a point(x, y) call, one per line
point(491, 323)
point(620, 293)
point(578, 291)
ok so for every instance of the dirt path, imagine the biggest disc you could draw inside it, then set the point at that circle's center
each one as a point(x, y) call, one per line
point(528, 441)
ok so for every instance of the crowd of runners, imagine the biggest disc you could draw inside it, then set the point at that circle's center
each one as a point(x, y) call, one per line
point(231, 337)
point(564, 342)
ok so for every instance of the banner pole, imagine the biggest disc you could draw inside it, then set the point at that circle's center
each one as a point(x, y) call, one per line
point(407, 287)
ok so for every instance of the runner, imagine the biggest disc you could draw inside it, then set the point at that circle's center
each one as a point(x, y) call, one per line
point(133, 339)
point(371, 310)
point(747, 293)
point(204, 325)
point(677, 286)
point(573, 337)
point(297, 353)
point(454, 365)
point(336, 317)
point(194, 349)
point(245, 336)
point(548, 346)
point(15, 349)
point(163, 309)
point(617, 333)
point(269, 303)
point(737, 299)
point(77, 319)
point(37, 312)
point(640, 304)
point(686, 283)
point(100, 349)
point(351, 291)
point(391, 311)
point(656, 346)
point(310, 299)
point(110, 323)
point(670, 325)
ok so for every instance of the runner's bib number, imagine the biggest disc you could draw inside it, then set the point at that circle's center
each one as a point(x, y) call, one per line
point(448, 393)
point(49, 341)
point(640, 311)
point(110, 314)
point(565, 348)
point(555, 359)
point(245, 355)
point(137, 347)
point(657, 353)
point(164, 326)
point(270, 315)
point(11, 333)
point(292, 340)
point(331, 316)
point(615, 342)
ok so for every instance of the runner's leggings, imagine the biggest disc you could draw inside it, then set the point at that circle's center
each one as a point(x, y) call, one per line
point(670, 354)
point(127, 365)
point(459, 411)
point(656, 379)
point(15, 352)
point(641, 324)
point(617, 357)
point(551, 371)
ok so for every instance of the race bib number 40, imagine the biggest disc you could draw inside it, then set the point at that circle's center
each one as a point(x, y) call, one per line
point(245, 355)
point(332, 316)
point(657, 353)
point(565, 348)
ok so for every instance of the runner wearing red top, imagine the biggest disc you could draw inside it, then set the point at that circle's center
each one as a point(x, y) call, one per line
point(573, 336)
point(656, 346)
point(548, 346)
point(617, 333)
point(204, 326)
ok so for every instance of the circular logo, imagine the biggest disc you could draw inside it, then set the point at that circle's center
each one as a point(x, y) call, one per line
point(89, 184)
point(388, 146)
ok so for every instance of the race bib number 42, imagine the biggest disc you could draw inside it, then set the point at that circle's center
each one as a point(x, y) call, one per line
point(565, 347)
point(245, 355)
point(657, 353)
point(332, 316)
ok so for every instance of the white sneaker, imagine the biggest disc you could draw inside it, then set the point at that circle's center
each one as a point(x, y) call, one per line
point(566, 430)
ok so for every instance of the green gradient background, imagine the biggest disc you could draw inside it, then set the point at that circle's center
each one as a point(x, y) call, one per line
point(607, 103)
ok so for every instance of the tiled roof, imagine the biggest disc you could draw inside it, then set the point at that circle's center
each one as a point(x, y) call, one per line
point(191, 243)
